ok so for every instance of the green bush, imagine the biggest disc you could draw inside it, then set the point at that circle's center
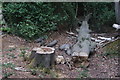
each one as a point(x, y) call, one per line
point(103, 14)
point(5, 29)
point(31, 20)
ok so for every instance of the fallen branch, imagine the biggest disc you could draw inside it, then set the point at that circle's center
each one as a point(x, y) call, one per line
point(109, 42)
point(71, 33)
point(103, 45)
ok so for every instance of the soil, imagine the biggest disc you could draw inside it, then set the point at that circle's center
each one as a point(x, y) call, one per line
point(99, 66)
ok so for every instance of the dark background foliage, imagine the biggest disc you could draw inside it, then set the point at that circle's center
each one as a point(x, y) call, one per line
point(103, 15)
point(32, 20)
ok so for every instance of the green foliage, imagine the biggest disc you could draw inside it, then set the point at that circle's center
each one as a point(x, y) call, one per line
point(5, 29)
point(83, 74)
point(11, 55)
point(24, 48)
point(31, 20)
point(6, 75)
point(103, 14)
point(8, 65)
point(10, 49)
point(33, 72)
point(34, 19)
point(70, 10)
point(112, 49)
point(22, 53)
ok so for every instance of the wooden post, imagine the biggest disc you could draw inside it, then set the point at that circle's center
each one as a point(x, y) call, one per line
point(42, 57)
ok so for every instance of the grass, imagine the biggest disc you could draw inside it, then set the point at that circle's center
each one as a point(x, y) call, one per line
point(53, 74)
point(47, 71)
point(0, 50)
point(6, 75)
point(112, 49)
point(8, 65)
point(10, 49)
point(11, 55)
point(22, 53)
point(33, 72)
point(41, 76)
point(83, 74)
point(24, 48)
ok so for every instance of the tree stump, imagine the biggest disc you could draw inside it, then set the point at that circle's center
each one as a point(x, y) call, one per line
point(42, 57)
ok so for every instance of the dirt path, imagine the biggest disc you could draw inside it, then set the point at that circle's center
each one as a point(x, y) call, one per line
point(100, 67)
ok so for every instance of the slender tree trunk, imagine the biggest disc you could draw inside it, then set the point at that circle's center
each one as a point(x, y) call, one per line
point(72, 14)
point(0, 14)
point(117, 12)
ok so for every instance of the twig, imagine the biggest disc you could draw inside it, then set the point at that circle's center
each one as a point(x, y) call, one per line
point(76, 9)
point(67, 62)
point(69, 65)
point(106, 44)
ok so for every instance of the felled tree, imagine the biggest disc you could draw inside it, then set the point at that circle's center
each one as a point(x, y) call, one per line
point(84, 44)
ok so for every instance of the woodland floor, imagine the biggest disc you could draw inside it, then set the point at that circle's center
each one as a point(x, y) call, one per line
point(99, 66)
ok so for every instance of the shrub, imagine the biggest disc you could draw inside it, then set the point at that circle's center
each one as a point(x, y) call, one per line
point(103, 14)
point(30, 20)
point(5, 29)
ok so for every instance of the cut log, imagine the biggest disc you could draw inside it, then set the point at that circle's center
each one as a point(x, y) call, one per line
point(65, 47)
point(84, 44)
point(39, 39)
point(42, 57)
point(53, 43)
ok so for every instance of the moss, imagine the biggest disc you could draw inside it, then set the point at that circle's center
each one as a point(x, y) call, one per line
point(112, 48)
point(83, 39)
point(31, 65)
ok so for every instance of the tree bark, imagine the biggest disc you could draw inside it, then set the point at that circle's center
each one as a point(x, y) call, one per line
point(42, 57)
point(84, 44)
point(117, 12)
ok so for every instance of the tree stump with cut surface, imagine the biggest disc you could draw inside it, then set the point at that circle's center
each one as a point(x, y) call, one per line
point(42, 57)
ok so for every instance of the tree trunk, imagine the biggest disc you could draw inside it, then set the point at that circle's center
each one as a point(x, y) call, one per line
point(84, 44)
point(42, 57)
point(117, 12)
point(71, 14)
